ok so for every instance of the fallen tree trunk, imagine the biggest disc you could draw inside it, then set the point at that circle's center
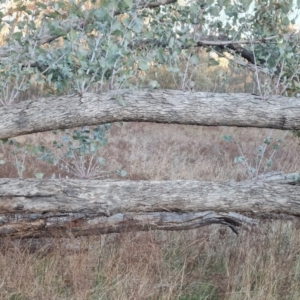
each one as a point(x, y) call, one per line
point(41, 208)
point(161, 106)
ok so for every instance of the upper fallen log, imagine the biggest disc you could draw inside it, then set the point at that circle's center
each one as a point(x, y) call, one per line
point(38, 207)
point(162, 106)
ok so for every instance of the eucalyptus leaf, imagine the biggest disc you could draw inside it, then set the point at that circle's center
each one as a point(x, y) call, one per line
point(143, 65)
point(195, 59)
point(39, 175)
point(17, 36)
point(213, 62)
point(101, 160)
point(239, 159)
point(227, 137)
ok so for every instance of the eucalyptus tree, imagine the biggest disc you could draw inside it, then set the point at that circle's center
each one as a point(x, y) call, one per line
point(73, 46)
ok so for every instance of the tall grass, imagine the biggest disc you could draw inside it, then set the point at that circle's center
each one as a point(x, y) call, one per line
point(211, 263)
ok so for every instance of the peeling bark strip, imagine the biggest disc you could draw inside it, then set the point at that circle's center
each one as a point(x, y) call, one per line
point(34, 208)
point(161, 106)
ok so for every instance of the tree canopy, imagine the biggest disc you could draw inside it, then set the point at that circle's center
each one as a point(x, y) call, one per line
point(70, 46)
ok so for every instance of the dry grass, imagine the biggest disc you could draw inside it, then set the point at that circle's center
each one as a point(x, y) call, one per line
point(209, 263)
point(150, 151)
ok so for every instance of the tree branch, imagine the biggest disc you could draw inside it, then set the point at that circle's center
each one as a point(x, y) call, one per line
point(149, 4)
point(160, 106)
point(221, 42)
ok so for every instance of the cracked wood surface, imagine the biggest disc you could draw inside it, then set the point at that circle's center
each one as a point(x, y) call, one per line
point(33, 208)
point(161, 106)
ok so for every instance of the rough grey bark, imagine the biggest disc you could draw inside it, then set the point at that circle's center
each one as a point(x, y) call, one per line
point(162, 106)
point(34, 208)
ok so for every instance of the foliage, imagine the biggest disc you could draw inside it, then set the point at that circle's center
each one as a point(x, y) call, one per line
point(296, 133)
point(261, 164)
point(20, 153)
point(81, 153)
point(75, 45)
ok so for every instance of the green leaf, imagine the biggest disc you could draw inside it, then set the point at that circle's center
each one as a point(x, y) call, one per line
point(239, 159)
point(171, 42)
point(72, 34)
point(39, 175)
point(17, 36)
point(215, 11)
point(122, 173)
point(101, 14)
point(227, 137)
point(129, 3)
point(246, 3)
point(260, 149)
point(41, 5)
point(153, 84)
point(65, 138)
point(143, 65)
point(137, 26)
point(19, 165)
point(213, 62)
point(195, 59)
point(93, 147)
point(70, 154)
point(285, 21)
point(57, 144)
point(101, 160)
point(174, 69)
point(297, 84)
point(117, 33)
point(2, 162)
point(251, 170)
point(285, 8)
point(269, 163)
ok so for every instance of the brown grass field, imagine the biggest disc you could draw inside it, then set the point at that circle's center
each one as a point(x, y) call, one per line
point(208, 263)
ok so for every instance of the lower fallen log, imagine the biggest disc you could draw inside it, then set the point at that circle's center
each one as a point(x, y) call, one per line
point(41, 208)
point(20, 226)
